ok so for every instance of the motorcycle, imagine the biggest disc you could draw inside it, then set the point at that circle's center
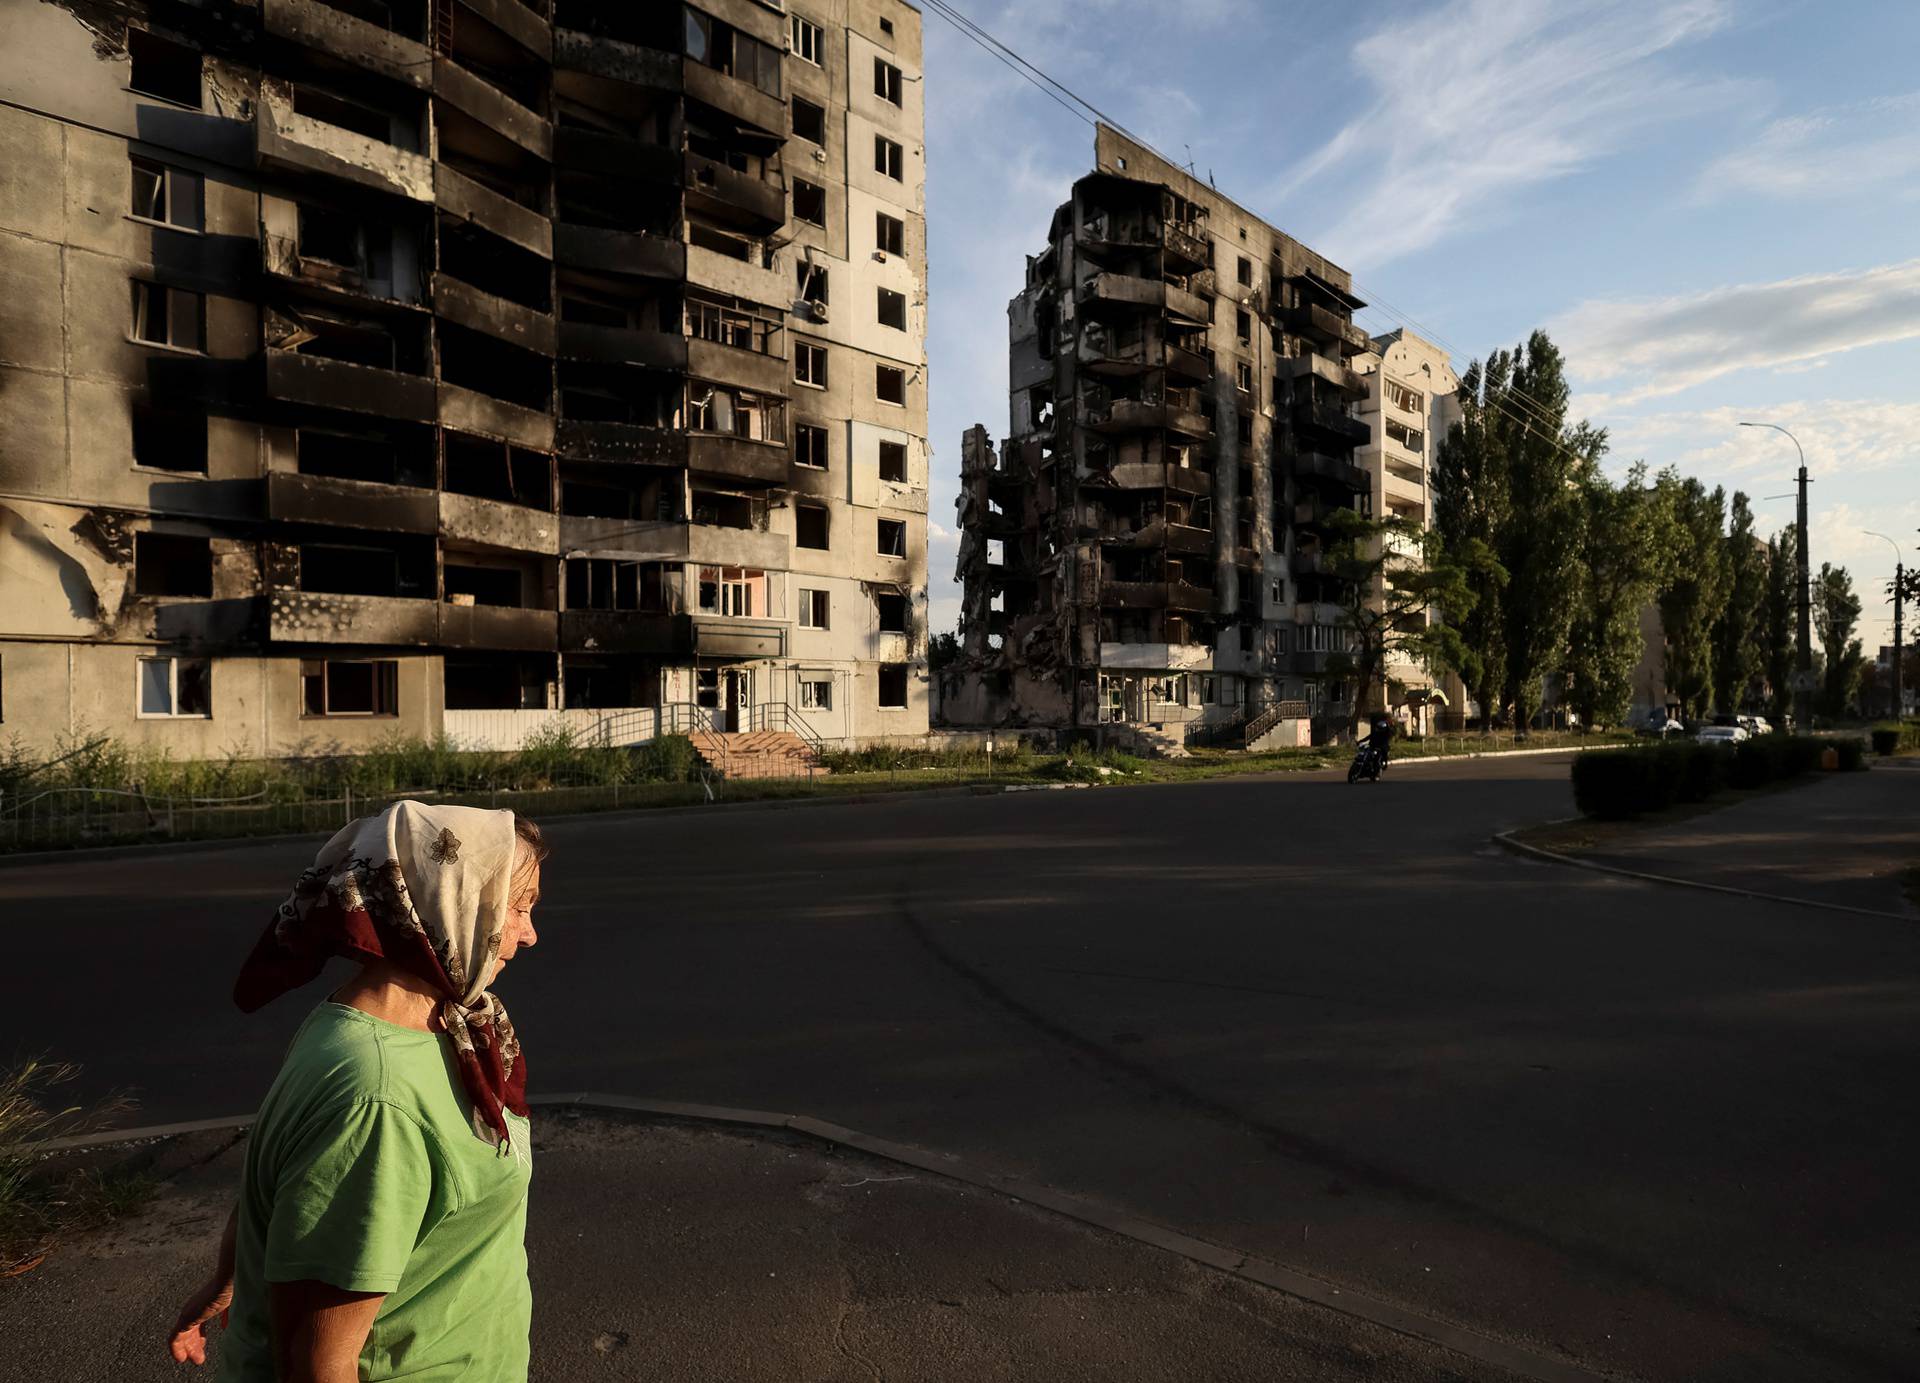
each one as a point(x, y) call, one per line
point(1366, 764)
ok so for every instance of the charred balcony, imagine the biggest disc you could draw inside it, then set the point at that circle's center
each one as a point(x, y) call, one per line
point(1127, 294)
point(1344, 382)
point(323, 358)
point(1326, 422)
point(332, 591)
point(490, 603)
point(513, 211)
point(1337, 471)
point(339, 130)
point(1108, 348)
point(1169, 409)
point(1156, 595)
point(386, 39)
point(626, 631)
point(325, 500)
point(617, 251)
point(1323, 326)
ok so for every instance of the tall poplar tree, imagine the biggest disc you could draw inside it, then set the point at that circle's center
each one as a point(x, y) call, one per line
point(1626, 551)
point(1778, 618)
point(1836, 613)
point(1738, 632)
point(1695, 589)
point(1469, 511)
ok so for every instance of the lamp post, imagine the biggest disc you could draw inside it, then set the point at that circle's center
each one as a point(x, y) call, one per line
point(1899, 601)
point(1803, 676)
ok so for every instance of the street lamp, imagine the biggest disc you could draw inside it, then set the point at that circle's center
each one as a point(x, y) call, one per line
point(1803, 676)
point(1899, 600)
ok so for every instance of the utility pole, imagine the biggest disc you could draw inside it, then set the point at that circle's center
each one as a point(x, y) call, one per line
point(1803, 678)
point(1899, 602)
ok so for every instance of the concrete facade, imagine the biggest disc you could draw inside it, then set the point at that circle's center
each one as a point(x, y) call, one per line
point(1142, 551)
point(359, 364)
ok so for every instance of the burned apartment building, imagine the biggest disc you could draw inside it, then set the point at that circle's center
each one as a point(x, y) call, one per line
point(421, 365)
point(1144, 549)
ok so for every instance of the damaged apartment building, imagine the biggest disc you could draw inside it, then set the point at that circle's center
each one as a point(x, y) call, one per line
point(423, 365)
point(1144, 550)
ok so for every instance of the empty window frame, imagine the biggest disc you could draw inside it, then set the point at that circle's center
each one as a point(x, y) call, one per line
point(164, 440)
point(1246, 271)
point(163, 68)
point(331, 108)
point(1411, 400)
point(891, 537)
point(167, 196)
point(886, 81)
point(890, 384)
point(333, 237)
point(173, 564)
point(816, 694)
point(890, 609)
point(730, 322)
point(809, 202)
point(500, 586)
point(893, 462)
point(735, 412)
point(814, 609)
point(171, 688)
point(889, 234)
point(1243, 328)
point(810, 281)
point(1412, 438)
point(810, 364)
point(171, 317)
point(810, 446)
point(809, 121)
point(333, 569)
point(731, 592)
point(888, 158)
point(886, 27)
point(350, 687)
point(606, 583)
point(716, 44)
point(809, 41)
point(893, 686)
point(891, 308)
point(810, 526)
point(1243, 377)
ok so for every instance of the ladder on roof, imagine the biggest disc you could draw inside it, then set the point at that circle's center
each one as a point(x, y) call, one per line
point(443, 26)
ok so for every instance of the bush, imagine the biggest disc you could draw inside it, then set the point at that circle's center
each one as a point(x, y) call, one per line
point(1614, 785)
point(1886, 739)
point(1853, 754)
point(668, 759)
point(1755, 763)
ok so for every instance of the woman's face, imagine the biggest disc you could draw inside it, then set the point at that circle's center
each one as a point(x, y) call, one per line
point(519, 929)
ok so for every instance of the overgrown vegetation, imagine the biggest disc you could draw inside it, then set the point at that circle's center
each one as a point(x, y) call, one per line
point(42, 1198)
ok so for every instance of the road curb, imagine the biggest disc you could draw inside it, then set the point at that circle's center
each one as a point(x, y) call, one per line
point(1485, 1349)
point(1505, 840)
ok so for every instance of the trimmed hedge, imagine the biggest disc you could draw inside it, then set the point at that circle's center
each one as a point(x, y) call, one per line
point(1616, 784)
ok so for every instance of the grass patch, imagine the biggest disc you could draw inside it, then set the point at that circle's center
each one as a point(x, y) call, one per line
point(1588, 835)
point(42, 1199)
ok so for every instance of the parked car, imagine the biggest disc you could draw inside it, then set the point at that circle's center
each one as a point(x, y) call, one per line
point(1721, 734)
point(1755, 725)
point(1662, 724)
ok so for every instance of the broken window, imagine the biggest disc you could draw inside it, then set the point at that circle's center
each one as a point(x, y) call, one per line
point(893, 685)
point(605, 583)
point(810, 524)
point(735, 412)
point(891, 609)
point(1244, 423)
point(345, 457)
point(719, 45)
point(350, 687)
point(1243, 328)
point(810, 364)
point(887, 157)
point(816, 694)
point(730, 322)
point(740, 247)
point(169, 196)
point(809, 42)
point(811, 281)
point(486, 469)
point(810, 446)
point(886, 81)
point(484, 586)
point(165, 316)
point(1400, 396)
point(809, 202)
point(813, 609)
point(332, 236)
point(175, 687)
point(890, 384)
point(733, 592)
point(1412, 438)
point(1243, 378)
point(349, 570)
point(892, 535)
point(172, 564)
point(893, 462)
point(163, 68)
point(333, 109)
point(165, 440)
point(809, 121)
point(1246, 271)
point(889, 234)
point(886, 27)
point(892, 309)
point(718, 509)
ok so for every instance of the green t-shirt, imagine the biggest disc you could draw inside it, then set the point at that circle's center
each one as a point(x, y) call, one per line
point(364, 1171)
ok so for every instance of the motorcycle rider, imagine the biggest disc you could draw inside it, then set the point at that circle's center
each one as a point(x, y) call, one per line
point(1380, 738)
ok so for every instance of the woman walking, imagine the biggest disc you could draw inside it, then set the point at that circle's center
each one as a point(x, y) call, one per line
point(380, 1230)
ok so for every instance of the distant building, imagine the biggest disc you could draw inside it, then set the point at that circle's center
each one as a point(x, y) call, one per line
point(374, 367)
point(1144, 551)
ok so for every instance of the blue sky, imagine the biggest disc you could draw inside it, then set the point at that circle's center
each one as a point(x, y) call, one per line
point(1713, 205)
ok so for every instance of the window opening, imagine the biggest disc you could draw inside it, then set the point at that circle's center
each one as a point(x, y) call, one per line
point(342, 687)
point(887, 157)
point(164, 440)
point(891, 610)
point(181, 687)
point(163, 68)
point(892, 536)
point(890, 384)
point(168, 316)
point(169, 196)
point(893, 462)
point(810, 526)
point(893, 685)
point(172, 564)
point(892, 309)
point(810, 446)
point(889, 233)
point(886, 81)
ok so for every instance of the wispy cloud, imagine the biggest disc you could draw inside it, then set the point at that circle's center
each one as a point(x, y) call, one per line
point(1478, 98)
point(1840, 151)
point(1843, 438)
point(1658, 346)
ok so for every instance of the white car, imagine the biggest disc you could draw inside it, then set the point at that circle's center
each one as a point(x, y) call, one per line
point(1721, 734)
point(1756, 725)
point(1662, 725)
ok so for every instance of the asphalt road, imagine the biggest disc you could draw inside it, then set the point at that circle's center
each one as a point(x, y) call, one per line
point(1663, 1133)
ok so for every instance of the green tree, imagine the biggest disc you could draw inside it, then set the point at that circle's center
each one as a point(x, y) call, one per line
point(1779, 616)
point(943, 651)
point(1469, 511)
point(1625, 550)
point(1694, 590)
point(1739, 644)
point(1402, 590)
point(1836, 613)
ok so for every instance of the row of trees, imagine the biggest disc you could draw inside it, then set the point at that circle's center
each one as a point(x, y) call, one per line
point(1543, 568)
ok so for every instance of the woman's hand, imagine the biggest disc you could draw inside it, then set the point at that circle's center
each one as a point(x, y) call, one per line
point(189, 1338)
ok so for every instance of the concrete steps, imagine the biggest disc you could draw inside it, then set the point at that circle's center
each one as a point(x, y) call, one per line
point(756, 754)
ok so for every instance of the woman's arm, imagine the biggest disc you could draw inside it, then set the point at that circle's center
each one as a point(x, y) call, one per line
point(319, 1331)
point(211, 1298)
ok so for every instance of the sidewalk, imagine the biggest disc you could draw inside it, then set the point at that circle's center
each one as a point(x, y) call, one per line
point(674, 1252)
point(1846, 838)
